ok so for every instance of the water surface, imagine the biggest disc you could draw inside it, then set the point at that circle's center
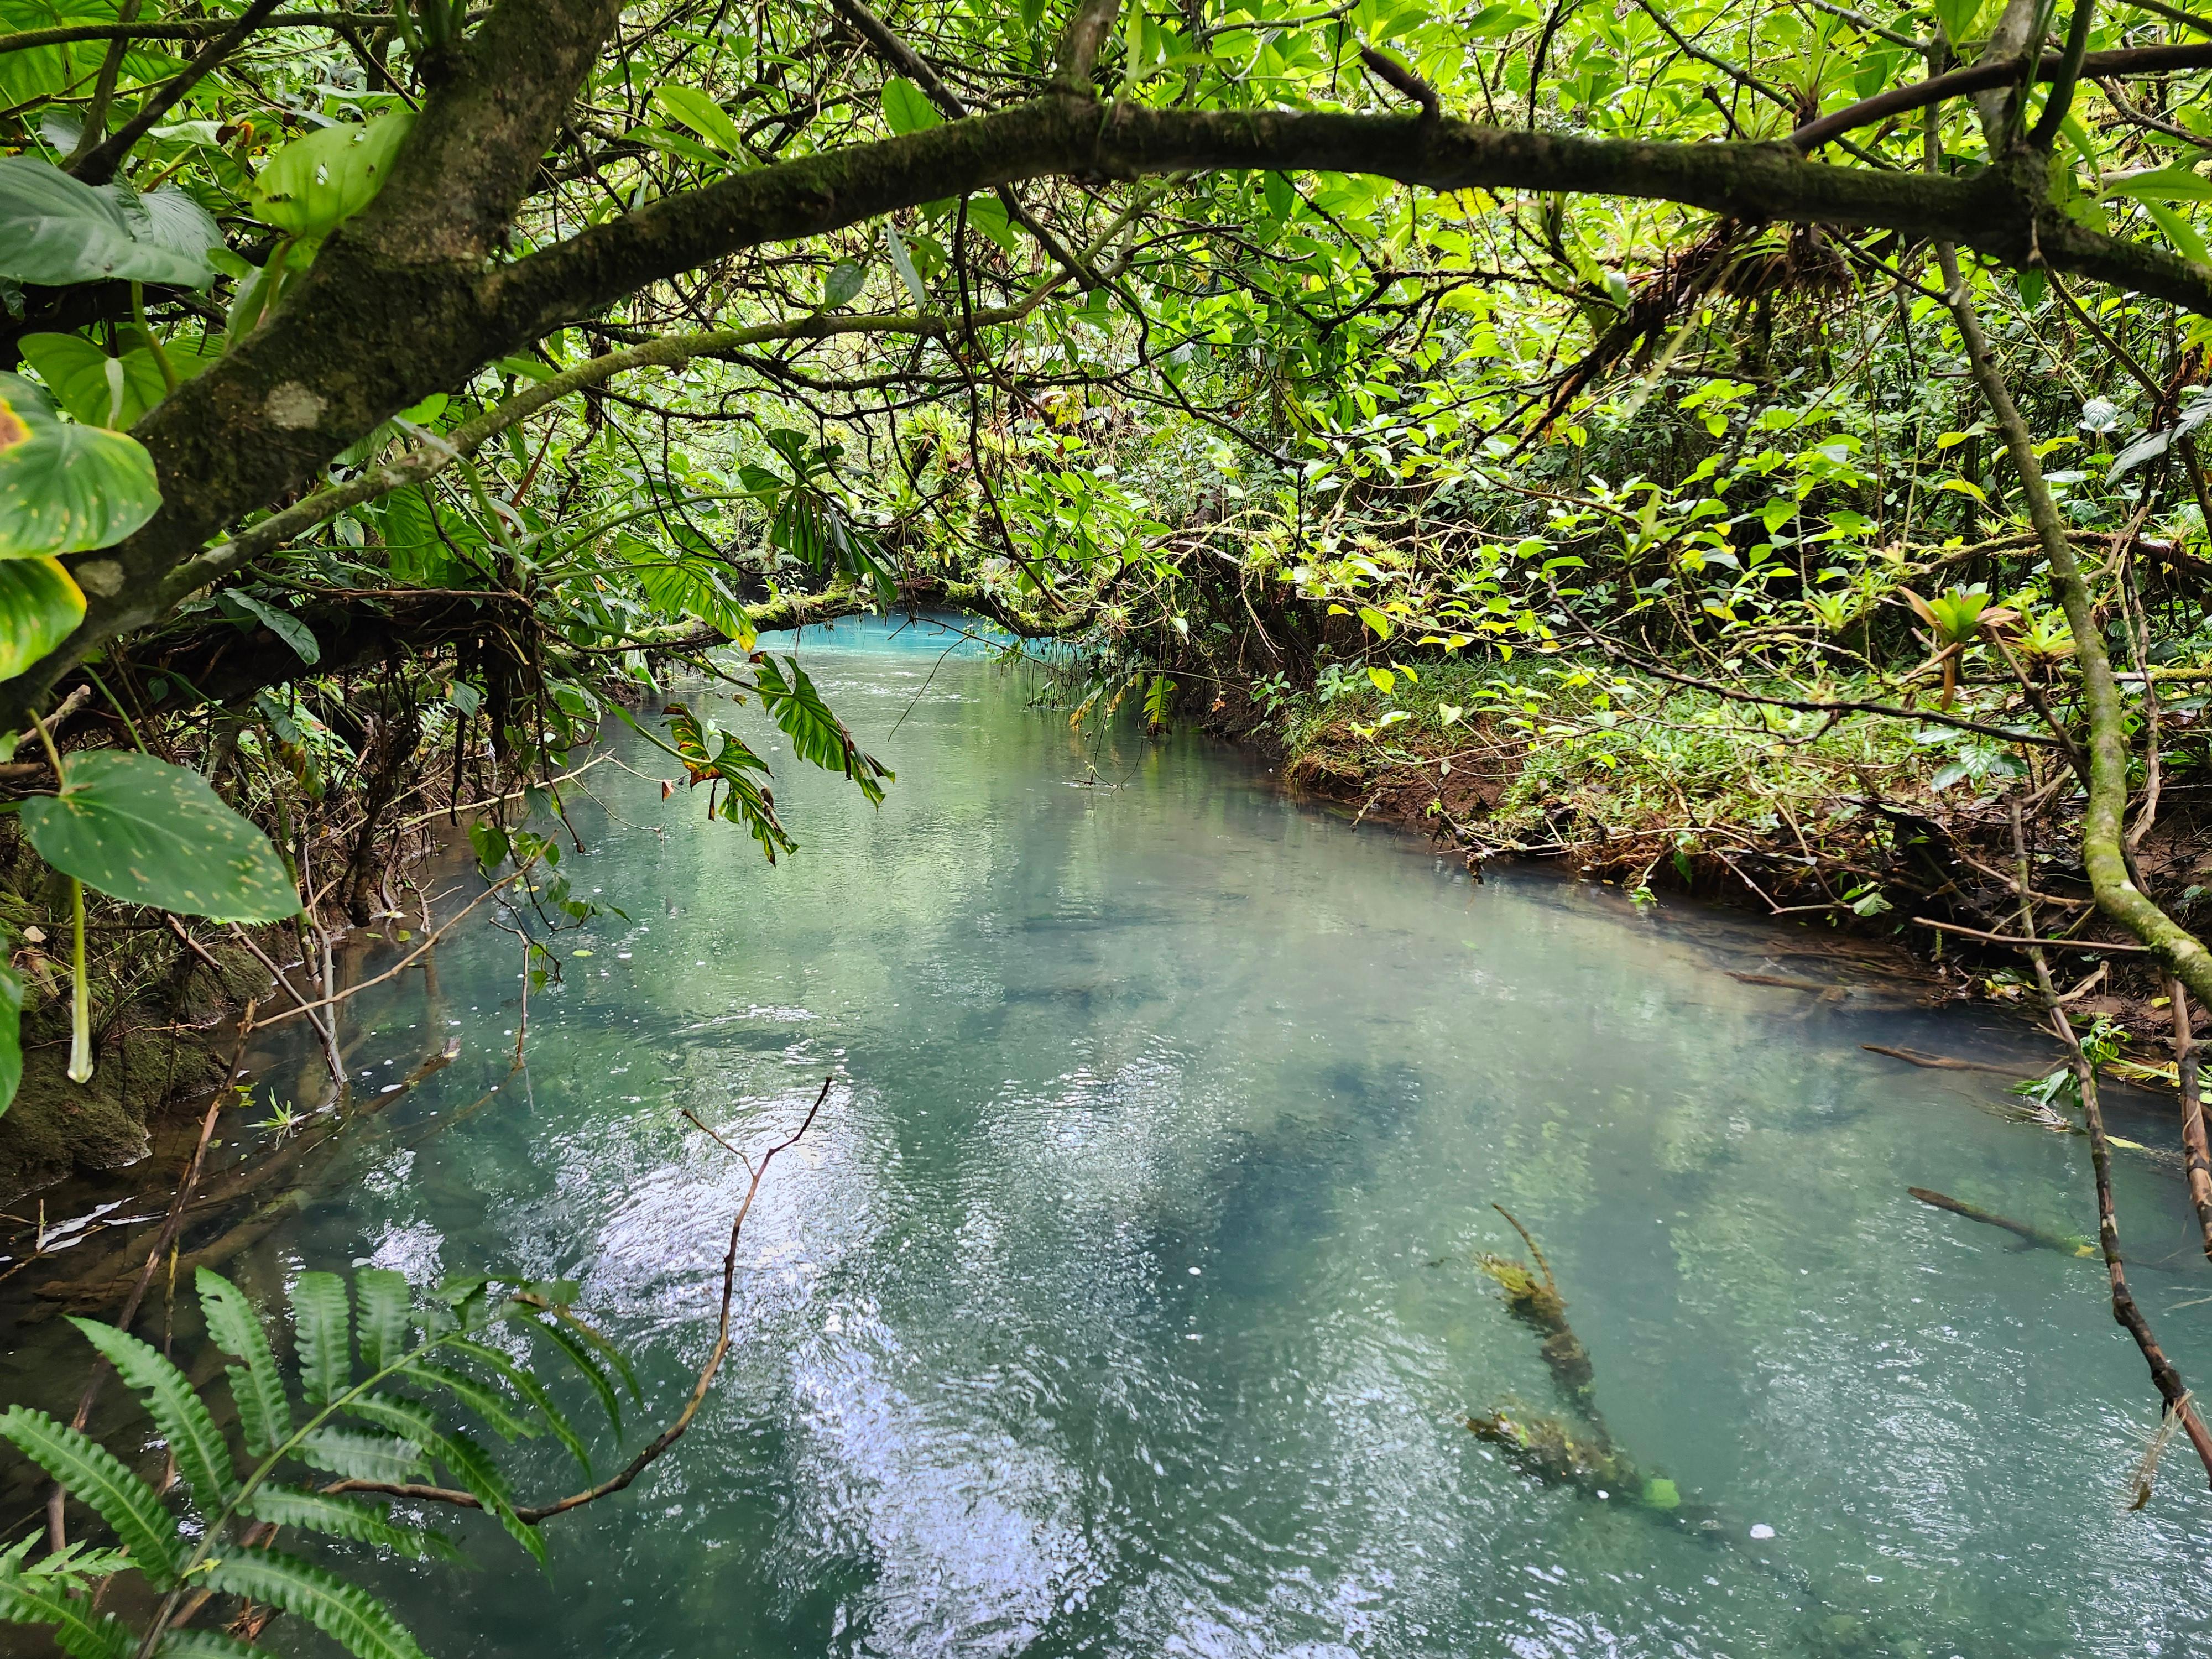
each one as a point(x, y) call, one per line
point(1122, 1300)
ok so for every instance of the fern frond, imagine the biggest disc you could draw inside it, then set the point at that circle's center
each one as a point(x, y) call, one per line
point(96, 1476)
point(322, 1330)
point(202, 1455)
point(77, 1630)
point(352, 1455)
point(344, 1517)
point(381, 1300)
point(480, 1398)
point(580, 1356)
point(263, 1410)
point(472, 1466)
point(345, 1612)
point(531, 1390)
point(206, 1644)
point(67, 1569)
point(411, 1418)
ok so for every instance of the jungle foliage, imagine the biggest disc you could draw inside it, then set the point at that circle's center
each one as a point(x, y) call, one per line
point(1626, 389)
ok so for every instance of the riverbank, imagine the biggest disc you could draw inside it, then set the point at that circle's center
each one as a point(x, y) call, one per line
point(1860, 825)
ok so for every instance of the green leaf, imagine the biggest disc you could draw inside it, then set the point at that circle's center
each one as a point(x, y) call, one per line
point(56, 231)
point(315, 184)
point(203, 1457)
point(704, 117)
point(2179, 232)
point(97, 389)
point(96, 1476)
point(66, 488)
point(1958, 18)
point(321, 1332)
point(11, 1034)
point(206, 1644)
point(345, 1612)
point(380, 1302)
point(2174, 184)
point(280, 622)
point(530, 1389)
point(902, 262)
point(146, 832)
point(907, 107)
point(471, 1465)
point(77, 1630)
point(353, 1455)
point(842, 283)
point(480, 1398)
point(257, 1386)
point(40, 605)
point(343, 1517)
point(815, 734)
point(580, 1357)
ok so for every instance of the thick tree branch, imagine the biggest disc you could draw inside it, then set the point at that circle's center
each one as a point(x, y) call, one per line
point(401, 305)
point(1991, 73)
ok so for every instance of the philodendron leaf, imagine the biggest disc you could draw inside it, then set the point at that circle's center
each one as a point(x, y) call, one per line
point(40, 605)
point(315, 184)
point(97, 389)
point(146, 832)
point(56, 230)
point(66, 488)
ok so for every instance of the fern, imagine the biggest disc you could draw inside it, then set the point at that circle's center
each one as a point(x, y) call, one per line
point(128, 1504)
point(395, 1439)
point(571, 1345)
point(204, 1645)
point(263, 1410)
point(320, 1327)
point(343, 1517)
point(380, 1295)
point(77, 1630)
point(202, 1457)
point(345, 1612)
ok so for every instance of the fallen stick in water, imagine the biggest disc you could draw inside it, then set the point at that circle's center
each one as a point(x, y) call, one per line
point(1946, 1063)
point(2036, 1235)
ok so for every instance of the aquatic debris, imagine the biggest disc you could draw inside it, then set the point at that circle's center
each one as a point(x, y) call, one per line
point(2064, 1243)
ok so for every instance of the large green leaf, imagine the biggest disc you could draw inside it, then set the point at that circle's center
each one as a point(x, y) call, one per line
point(66, 488)
point(704, 117)
point(40, 605)
point(56, 230)
point(263, 1410)
point(345, 1612)
point(907, 107)
point(94, 1475)
point(146, 832)
point(97, 389)
point(322, 1331)
point(815, 733)
point(315, 184)
point(203, 1457)
point(2175, 184)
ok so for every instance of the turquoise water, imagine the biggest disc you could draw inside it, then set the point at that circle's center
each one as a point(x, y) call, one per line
point(1123, 1299)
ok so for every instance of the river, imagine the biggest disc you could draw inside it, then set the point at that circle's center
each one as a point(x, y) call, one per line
point(1123, 1299)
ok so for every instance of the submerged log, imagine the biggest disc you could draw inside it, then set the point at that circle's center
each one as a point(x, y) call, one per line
point(2036, 1235)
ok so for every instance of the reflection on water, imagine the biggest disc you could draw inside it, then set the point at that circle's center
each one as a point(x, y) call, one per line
point(1121, 1301)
